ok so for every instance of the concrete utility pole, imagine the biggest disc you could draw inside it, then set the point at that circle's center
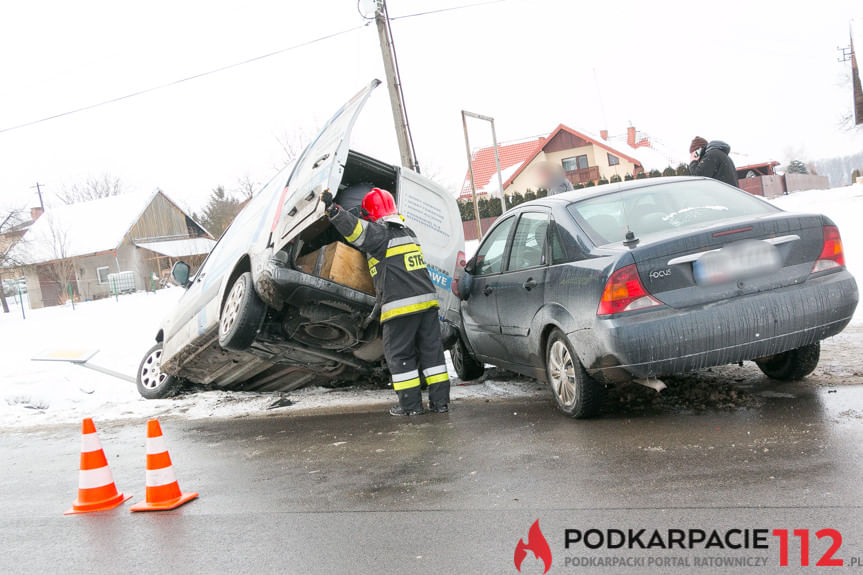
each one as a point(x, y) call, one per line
point(391, 68)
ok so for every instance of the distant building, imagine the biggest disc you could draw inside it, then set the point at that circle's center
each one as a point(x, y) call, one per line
point(77, 248)
point(584, 157)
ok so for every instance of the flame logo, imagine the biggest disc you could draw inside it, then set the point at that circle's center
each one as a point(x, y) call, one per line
point(535, 542)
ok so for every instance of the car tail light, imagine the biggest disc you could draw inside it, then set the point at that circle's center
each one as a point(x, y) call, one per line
point(460, 263)
point(624, 292)
point(279, 209)
point(832, 254)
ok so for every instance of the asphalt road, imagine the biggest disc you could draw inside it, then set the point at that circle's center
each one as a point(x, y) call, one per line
point(368, 493)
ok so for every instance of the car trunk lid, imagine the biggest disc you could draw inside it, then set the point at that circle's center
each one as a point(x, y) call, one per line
point(730, 259)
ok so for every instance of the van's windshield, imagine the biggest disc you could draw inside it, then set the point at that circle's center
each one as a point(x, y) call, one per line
point(662, 208)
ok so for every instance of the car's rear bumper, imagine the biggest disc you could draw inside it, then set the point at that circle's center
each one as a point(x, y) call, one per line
point(668, 341)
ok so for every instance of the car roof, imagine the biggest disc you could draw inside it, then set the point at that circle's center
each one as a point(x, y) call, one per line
point(604, 189)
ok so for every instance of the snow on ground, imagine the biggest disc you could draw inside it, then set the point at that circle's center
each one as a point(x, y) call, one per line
point(34, 393)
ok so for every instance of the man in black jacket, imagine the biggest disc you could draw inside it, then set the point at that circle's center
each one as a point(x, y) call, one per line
point(710, 159)
point(407, 298)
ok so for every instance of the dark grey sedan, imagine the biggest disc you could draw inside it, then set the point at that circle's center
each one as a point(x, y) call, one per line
point(648, 278)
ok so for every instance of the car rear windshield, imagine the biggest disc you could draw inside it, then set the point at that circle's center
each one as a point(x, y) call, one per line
point(663, 208)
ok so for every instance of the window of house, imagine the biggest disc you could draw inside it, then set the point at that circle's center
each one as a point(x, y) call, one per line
point(613, 160)
point(102, 274)
point(575, 163)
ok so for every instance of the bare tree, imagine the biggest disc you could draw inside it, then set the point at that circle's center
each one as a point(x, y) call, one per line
point(9, 261)
point(61, 268)
point(92, 189)
point(292, 145)
point(246, 187)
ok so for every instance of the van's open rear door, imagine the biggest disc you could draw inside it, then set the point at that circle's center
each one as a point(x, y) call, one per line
point(319, 168)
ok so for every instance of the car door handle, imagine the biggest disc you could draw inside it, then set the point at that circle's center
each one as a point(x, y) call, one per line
point(320, 161)
point(529, 284)
point(487, 290)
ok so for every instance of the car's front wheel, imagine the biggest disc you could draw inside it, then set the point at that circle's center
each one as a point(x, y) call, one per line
point(577, 394)
point(152, 382)
point(464, 363)
point(241, 315)
point(791, 365)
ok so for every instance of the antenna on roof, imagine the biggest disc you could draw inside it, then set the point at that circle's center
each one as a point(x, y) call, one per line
point(599, 96)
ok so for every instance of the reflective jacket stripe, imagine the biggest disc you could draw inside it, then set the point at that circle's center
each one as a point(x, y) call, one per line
point(434, 370)
point(355, 235)
point(410, 383)
point(403, 249)
point(400, 241)
point(397, 377)
point(437, 378)
point(408, 305)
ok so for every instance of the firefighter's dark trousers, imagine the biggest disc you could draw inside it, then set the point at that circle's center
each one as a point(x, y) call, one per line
point(413, 350)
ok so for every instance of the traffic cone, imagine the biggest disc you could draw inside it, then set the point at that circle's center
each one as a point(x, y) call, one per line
point(163, 491)
point(96, 489)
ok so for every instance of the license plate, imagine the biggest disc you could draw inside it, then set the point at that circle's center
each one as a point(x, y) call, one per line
point(735, 262)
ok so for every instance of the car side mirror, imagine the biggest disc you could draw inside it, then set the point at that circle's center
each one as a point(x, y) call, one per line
point(180, 273)
point(462, 286)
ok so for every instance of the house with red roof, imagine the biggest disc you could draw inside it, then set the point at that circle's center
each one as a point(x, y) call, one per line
point(583, 157)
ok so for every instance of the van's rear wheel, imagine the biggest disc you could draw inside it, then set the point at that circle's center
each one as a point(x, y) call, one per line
point(577, 394)
point(241, 315)
point(791, 365)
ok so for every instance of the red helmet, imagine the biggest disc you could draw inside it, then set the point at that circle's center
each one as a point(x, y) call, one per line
point(379, 204)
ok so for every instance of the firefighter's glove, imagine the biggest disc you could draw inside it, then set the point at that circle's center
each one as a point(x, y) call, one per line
point(331, 207)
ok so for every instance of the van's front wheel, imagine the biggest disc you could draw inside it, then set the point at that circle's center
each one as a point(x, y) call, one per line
point(152, 382)
point(241, 315)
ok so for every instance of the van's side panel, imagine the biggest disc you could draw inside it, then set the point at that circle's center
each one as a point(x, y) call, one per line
point(432, 213)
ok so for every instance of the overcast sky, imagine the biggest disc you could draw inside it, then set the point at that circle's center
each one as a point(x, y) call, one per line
point(761, 75)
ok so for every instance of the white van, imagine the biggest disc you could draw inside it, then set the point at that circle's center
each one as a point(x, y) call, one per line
point(252, 319)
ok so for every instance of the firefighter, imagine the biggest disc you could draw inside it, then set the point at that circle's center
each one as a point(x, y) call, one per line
point(406, 297)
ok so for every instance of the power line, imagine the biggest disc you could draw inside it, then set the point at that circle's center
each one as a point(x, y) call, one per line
point(450, 9)
point(182, 80)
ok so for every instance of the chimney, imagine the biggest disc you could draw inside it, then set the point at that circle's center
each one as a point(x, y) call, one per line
point(603, 134)
point(35, 213)
point(630, 136)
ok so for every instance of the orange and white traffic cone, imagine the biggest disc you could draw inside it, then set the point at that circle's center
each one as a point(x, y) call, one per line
point(96, 489)
point(163, 491)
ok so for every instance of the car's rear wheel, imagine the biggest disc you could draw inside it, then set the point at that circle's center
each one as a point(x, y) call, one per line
point(241, 315)
point(152, 382)
point(464, 363)
point(577, 394)
point(791, 365)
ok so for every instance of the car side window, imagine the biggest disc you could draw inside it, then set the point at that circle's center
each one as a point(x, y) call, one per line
point(489, 257)
point(529, 241)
